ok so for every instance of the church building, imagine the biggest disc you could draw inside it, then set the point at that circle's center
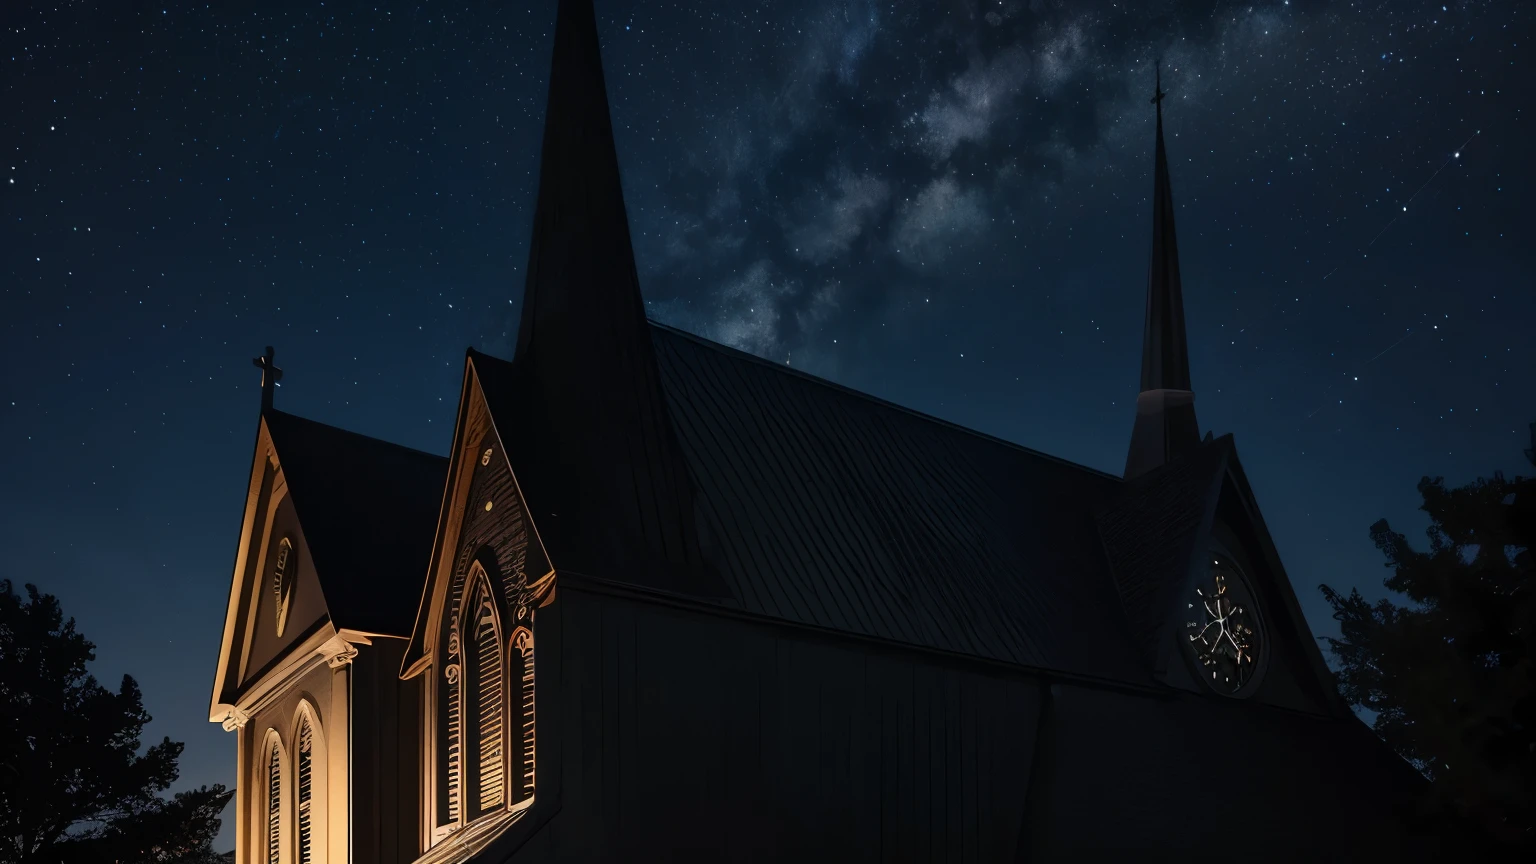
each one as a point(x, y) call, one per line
point(667, 601)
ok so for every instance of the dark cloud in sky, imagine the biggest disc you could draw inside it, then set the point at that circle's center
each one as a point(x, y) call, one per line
point(866, 144)
point(942, 203)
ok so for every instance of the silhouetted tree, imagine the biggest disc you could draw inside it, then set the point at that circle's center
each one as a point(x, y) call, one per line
point(73, 785)
point(1449, 673)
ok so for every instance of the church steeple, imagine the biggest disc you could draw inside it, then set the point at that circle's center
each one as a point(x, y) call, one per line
point(605, 474)
point(581, 267)
point(1165, 409)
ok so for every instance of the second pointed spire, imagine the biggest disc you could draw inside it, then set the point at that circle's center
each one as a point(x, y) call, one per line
point(1165, 409)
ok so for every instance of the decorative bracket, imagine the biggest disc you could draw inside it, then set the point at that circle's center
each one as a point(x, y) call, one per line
point(341, 658)
point(234, 719)
point(341, 649)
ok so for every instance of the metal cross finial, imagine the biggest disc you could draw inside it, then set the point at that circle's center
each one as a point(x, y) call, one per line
point(1157, 97)
point(270, 375)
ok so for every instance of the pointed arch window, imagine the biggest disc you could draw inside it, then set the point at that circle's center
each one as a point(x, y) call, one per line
point(522, 644)
point(487, 721)
point(284, 569)
point(484, 762)
point(304, 788)
point(274, 784)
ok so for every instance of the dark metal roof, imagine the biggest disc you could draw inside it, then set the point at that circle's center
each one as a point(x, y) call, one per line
point(828, 507)
point(369, 511)
point(823, 506)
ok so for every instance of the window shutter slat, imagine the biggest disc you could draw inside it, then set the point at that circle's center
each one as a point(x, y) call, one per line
point(524, 644)
point(491, 695)
point(274, 807)
point(454, 684)
point(305, 790)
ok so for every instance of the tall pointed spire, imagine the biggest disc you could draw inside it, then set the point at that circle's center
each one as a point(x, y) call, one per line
point(605, 475)
point(581, 266)
point(1165, 409)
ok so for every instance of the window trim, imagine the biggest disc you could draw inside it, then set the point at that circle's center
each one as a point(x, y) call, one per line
point(490, 672)
point(306, 714)
point(273, 755)
point(284, 575)
point(452, 769)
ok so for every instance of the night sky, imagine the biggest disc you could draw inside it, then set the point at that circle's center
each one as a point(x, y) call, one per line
point(945, 204)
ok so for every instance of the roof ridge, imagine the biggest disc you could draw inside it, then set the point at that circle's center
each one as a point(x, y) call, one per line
point(886, 403)
point(370, 438)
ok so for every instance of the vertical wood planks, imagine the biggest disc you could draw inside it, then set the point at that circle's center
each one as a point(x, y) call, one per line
point(712, 739)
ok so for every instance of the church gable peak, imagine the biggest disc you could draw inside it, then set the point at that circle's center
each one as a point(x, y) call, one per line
point(484, 513)
point(335, 533)
point(1294, 672)
point(277, 607)
point(1203, 589)
point(487, 603)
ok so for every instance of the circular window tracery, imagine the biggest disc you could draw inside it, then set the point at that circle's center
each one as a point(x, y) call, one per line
point(1224, 635)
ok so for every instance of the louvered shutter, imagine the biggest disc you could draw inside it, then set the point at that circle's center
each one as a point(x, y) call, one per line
point(304, 783)
point(490, 695)
point(274, 807)
point(454, 685)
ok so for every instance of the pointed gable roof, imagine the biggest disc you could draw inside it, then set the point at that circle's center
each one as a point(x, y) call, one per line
point(369, 509)
point(1156, 529)
point(586, 367)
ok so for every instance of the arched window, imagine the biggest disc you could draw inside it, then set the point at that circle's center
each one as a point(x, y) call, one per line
point(284, 569)
point(486, 733)
point(484, 752)
point(274, 785)
point(522, 644)
point(453, 737)
point(304, 788)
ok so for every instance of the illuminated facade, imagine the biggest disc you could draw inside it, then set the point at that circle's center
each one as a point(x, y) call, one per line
point(665, 601)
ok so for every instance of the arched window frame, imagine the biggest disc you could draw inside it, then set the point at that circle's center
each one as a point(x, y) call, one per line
point(284, 579)
point(454, 765)
point(271, 804)
point(486, 700)
point(307, 716)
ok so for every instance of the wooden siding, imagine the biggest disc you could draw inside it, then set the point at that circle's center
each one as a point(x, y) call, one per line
point(716, 740)
point(386, 734)
point(1197, 777)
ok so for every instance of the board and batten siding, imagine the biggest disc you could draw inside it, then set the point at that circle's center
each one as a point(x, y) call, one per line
point(718, 739)
point(386, 779)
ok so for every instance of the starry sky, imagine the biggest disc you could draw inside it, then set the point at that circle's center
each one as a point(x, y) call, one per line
point(945, 204)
